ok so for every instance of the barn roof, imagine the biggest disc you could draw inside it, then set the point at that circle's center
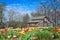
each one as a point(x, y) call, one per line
point(40, 17)
point(36, 21)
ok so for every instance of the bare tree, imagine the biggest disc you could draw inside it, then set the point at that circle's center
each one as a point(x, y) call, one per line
point(2, 6)
point(55, 8)
point(36, 14)
point(43, 6)
point(11, 14)
point(47, 7)
point(26, 19)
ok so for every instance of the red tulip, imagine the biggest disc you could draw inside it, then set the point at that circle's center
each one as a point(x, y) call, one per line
point(55, 29)
point(4, 31)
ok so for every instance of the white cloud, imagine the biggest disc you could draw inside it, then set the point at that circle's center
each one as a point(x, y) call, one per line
point(18, 8)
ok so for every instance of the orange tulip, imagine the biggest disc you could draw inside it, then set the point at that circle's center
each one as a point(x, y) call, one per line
point(26, 29)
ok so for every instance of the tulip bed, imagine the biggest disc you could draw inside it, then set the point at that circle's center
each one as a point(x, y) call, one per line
point(46, 33)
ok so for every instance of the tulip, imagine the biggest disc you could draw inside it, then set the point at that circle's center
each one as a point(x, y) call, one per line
point(9, 36)
point(14, 36)
point(26, 29)
point(46, 27)
point(58, 30)
point(55, 29)
point(22, 33)
point(32, 28)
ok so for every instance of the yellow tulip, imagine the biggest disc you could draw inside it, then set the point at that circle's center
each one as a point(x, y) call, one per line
point(9, 36)
point(32, 28)
point(8, 29)
point(22, 33)
point(46, 27)
point(58, 30)
point(17, 29)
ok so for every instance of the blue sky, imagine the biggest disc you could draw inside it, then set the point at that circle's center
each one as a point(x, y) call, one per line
point(23, 6)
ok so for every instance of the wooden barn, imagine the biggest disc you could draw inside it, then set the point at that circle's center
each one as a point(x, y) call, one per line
point(40, 21)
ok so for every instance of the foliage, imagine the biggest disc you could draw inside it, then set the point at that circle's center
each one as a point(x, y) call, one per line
point(2, 8)
point(26, 19)
point(56, 35)
point(13, 24)
point(28, 35)
point(48, 29)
